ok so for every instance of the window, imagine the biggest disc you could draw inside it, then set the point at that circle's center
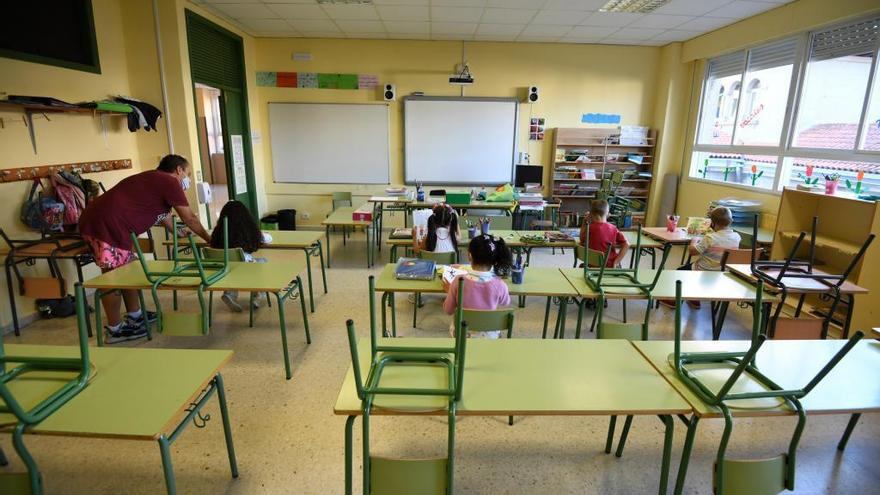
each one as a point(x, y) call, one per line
point(753, 131)
point(834, 87)
point(722, 95)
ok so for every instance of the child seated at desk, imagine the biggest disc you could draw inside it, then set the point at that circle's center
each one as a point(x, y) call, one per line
point(441, 234)
point(604, 234)
point(709, 248)
point(490, 259)
point(244, 233)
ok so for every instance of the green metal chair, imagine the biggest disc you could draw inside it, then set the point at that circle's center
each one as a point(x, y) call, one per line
point(745, 477)
point(439, 258)
point(416, 365)
point(194, 272)
point(341, 198)
point(31, 408)
point(604, 280)
point(236, 254)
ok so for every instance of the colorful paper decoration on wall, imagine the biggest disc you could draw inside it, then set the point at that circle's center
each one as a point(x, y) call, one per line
point(600, 118)
point(316, 80)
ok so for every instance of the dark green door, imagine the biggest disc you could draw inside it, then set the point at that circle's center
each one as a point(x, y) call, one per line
point(217, 60)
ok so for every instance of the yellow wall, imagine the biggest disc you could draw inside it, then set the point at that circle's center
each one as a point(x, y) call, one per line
point(573, 80)
point(796, 17)
point(73, 137)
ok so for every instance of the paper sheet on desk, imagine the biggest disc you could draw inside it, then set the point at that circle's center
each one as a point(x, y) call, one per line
point(450, 272)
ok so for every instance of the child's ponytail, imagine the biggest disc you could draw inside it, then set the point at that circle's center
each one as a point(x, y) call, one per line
point(488, 250)
point(503, 261)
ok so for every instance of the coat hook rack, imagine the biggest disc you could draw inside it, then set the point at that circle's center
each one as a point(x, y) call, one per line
point(44, 171)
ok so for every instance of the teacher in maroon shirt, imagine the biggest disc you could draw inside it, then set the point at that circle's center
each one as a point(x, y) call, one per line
point(134, 205)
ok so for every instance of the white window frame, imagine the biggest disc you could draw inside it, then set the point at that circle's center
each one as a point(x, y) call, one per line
point(785, 149)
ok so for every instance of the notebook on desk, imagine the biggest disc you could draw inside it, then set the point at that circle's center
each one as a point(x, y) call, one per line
point(401, 233)
point(414, 269)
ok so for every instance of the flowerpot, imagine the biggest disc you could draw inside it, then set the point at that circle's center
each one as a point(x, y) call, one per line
point(831, 187)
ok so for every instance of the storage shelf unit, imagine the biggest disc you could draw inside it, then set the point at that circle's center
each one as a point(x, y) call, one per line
point(844, 224)
point(574, 200)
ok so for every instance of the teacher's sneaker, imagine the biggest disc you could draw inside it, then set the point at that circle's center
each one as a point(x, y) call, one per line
point(125, 332)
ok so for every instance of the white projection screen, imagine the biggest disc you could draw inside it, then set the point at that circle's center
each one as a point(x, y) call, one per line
point(459, 141)
point(329, 143)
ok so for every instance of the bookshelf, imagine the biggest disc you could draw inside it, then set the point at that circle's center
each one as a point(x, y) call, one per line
point(844, 224)
point(584, 156)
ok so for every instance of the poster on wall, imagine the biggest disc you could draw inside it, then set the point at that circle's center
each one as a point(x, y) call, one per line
point(536, 128)
point(238, 168)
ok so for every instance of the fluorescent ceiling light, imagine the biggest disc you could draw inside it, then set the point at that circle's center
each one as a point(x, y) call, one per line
point(632, 6)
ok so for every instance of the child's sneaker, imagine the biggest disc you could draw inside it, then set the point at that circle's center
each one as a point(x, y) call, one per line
point(126, 331)
point(258, 301)
point(231, 302)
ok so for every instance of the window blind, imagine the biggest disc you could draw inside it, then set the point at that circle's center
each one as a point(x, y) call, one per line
point(727, 65)
point(859, 38)
point(778, 54)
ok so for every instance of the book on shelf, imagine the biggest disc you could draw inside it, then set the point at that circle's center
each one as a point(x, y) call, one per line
point(635, 158)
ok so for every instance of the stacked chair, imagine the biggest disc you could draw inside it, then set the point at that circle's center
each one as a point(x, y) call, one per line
point(424, 378)
point(783, 276)
point(751, 476)
point(186, 273)
point(24, 407)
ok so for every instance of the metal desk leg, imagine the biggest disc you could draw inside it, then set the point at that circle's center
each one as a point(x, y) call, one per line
point(321, 259)
point(349, 422)
point(307, 252)
point(302, 303)
point(283, 328)
point(719, 319)
point(327, 236)
point(393, 253)
point(227, 429)
point(369, 246)
point(581, 304)
point(684, 253)
point(546, 316)
point(686, 454)
point(851, 302)
point(849, 429)
point(99, 324)
point(393, 315)
point(667, 452)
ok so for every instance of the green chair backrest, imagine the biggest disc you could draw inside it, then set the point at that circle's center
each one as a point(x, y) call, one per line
point(753, 476)
point(622, 331)
point(589, 256)
point(235, 254)
point(440, 258)
point(341, 198)
point(408, 476)
point(483, 320)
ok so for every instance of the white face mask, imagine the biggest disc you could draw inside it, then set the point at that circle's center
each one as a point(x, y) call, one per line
point(185, 183)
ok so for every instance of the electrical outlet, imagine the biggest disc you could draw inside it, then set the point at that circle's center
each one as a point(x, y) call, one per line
point(306, 215)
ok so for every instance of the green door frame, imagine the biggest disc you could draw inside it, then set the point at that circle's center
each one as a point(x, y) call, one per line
point(192, 17)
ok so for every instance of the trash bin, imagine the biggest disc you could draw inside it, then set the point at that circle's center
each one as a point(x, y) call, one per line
point(287, 219)
point(269, 222)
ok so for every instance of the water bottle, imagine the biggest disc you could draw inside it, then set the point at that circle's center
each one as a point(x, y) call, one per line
point(420, 193)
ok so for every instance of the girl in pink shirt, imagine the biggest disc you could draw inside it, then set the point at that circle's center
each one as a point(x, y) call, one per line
point(483, 288)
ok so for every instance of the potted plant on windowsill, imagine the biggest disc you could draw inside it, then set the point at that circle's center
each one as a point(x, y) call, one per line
point(831, 183)
point(809, 182)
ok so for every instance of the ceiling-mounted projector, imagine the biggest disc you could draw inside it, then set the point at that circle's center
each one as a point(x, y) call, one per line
point(463, 77)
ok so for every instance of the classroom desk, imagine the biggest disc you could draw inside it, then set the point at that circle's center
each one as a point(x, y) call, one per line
point(791, 364)
point(473, 205)
point(511, 237)
point(696, 286)
point(134, 394)
point(388, 203)
point(527, 377)
point(679, 237)
point(538, 281)
point(342, 217)
point(308, 241)
point(280, 278)
point(801, 286)
point(50, 249)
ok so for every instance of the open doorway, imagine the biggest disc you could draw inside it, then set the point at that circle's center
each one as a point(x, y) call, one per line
point(212, 152)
